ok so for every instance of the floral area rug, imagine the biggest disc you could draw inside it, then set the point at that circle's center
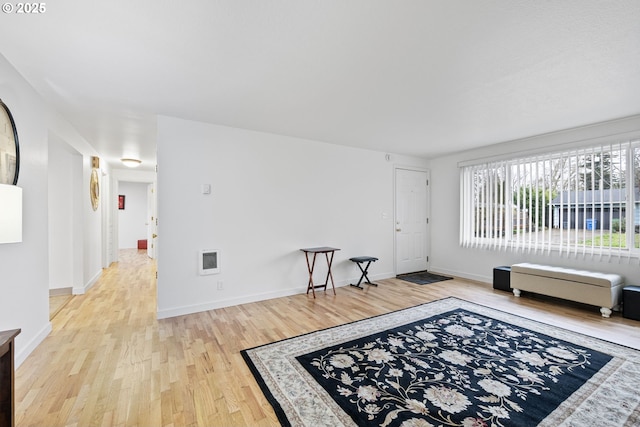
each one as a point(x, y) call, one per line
point(448, 363)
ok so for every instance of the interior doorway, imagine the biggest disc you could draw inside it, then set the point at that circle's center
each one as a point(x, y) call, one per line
point(138, 206)
point(136, 216)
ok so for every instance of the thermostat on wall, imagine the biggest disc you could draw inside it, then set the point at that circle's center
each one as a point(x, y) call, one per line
point(209, 261)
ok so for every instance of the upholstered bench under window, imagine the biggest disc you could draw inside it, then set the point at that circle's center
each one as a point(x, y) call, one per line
point(588, 287)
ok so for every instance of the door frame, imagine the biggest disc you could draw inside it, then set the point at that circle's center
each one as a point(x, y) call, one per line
point(118, 176)
point(152, 218)
point(427, 247)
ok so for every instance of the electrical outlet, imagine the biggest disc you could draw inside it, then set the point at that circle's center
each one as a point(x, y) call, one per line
point(220, 285)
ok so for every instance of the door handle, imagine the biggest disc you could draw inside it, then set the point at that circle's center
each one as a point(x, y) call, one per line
point(154, 235)
point(398, 229)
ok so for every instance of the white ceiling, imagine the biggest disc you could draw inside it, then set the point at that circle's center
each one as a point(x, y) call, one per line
point(421, 77)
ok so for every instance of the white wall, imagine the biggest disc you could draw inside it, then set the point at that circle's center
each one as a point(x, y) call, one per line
point(91, 232)
point(132, 221)
point(271, 195)
point(24, 286)
point(65, 219)
point(24, 283)
point(447, 254)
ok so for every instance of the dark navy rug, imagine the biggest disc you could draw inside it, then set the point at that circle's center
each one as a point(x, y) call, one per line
point(449, 363)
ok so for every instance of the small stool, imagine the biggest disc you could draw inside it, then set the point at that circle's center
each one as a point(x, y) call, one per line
point(359, 260)
point(631, 302)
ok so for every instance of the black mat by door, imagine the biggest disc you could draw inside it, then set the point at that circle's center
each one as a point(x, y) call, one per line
point(422, 277)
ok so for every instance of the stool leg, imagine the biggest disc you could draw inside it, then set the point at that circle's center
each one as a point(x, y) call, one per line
point(363, 276)
point(364, 273)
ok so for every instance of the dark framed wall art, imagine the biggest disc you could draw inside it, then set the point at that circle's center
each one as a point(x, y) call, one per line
point(9, 148)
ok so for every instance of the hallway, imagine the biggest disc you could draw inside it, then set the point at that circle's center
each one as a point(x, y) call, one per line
point(98, 358)
point(109, 362)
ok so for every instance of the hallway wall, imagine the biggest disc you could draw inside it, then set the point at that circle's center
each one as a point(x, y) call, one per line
point(25, 266)
point(24, 283)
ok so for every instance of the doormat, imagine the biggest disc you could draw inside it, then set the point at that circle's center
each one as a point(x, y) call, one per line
point(422, 277)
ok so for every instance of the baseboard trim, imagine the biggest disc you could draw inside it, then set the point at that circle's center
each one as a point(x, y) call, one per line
point(81, 290)
point(60, 291)
point(213, 305)
point(22, 355)
point(462, 275)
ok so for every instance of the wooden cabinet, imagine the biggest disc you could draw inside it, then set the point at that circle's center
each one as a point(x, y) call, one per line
point(7, 377)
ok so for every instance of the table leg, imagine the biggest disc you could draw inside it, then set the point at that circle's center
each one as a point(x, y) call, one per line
point(310, 268)
point(329, 274)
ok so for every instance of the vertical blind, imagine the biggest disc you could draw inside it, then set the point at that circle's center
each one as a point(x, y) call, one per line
point(578, 202)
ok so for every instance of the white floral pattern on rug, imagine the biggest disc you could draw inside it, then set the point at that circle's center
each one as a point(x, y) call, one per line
point(459, 369)
point(609, 398)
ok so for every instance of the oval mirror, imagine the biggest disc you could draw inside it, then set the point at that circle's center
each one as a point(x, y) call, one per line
point(9, 151)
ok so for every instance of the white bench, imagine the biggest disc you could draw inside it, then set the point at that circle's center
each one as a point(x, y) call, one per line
point(600, 289)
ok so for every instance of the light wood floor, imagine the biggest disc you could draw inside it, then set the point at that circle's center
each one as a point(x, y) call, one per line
point(108, 361)
point(56, 303)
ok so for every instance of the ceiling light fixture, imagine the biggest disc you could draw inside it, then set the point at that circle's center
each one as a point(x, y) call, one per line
point(132, 163)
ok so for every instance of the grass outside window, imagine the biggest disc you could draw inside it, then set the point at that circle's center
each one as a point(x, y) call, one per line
point(614, 240)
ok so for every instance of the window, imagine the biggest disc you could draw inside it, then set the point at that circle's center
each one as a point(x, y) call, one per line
point(580, 201)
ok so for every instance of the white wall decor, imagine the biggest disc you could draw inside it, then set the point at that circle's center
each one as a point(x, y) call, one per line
point(10, 214)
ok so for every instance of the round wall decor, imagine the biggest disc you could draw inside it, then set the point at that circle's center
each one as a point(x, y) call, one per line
point(94, 189)
point(9, 148)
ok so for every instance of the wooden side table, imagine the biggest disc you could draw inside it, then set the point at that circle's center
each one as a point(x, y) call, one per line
point(328, 253)
point(7, 399)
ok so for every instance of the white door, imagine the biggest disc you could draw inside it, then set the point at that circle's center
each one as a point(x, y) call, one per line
point(411, 221)
point(152, 221)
